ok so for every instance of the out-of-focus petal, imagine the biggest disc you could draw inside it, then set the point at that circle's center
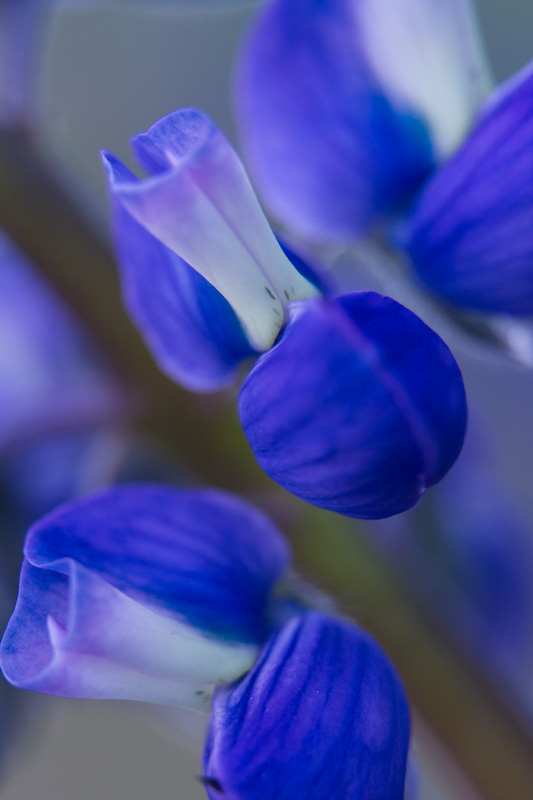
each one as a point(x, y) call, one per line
point(471, 233)
point(358, 409)
point(428, 59)
point(49, 370)
point(198, 202)
point(345, 106)
point(412, 780)
point(133, 592)
point(190, 328)
point(322, 715)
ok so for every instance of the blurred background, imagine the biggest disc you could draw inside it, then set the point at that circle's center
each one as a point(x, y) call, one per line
point(106, 73)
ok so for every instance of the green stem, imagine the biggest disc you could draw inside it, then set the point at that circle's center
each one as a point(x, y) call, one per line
point(480, 729)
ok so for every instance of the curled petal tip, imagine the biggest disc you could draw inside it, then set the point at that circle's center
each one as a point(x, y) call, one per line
point(199, 204)
point(143, 593)
point(74, 635)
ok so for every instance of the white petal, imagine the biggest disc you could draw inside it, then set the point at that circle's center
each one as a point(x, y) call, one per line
point(114, 647)
point(205, 210)
point(427, 56)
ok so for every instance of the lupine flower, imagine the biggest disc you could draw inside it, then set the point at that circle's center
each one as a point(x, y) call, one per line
point(56, 398)
point(345, 106)
point(320, 688)
point(184, 575)
point(50, 376)
point(166, 596)
point(348, 108)
point(52, 394)
point(355, 406)
point(470, 235)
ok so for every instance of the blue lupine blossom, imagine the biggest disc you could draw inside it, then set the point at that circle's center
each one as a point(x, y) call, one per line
point(50, 376)
point(470, 234)
point(317, 677)
point(144, 593)
point(168, 596)
point(345, 106)
point(381, 433)
point(56, 398)
point(356, 405)
point(349, 108)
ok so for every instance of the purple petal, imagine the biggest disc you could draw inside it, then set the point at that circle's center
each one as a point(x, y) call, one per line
point(190, 328)
point(358, 409)
point(471, 233)
point(205, 555)
point(199, 203)
point(344, 106)
point(50, 375)
point(321, 715)
point(73, 634)
point(143, 593)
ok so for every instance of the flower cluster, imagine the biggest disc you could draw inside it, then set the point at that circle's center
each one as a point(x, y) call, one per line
point(176, 596)
point(355, 405)
point(359, 119)
point(359, 113)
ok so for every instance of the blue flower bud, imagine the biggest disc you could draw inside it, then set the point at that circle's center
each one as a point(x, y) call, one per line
point(321, 715)
point(359, 407)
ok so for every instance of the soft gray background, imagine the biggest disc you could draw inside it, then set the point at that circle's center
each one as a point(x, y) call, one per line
point(108, 74)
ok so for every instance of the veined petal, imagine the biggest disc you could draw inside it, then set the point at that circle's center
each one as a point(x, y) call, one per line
point(204, 555)
point(471, 233)
point(345, 105)
point(143, 593)
point(358, 409)
point(75, 635)
point(322, 715)
point(190, 328)
point(200, 204)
